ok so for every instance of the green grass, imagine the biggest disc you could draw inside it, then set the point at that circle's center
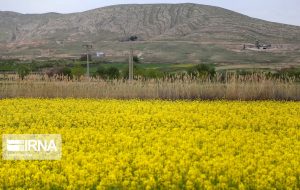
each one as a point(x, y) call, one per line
point(166, 67)
point(171, 52)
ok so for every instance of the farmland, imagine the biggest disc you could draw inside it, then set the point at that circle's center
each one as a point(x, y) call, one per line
point(155, 144)
point(149, 97)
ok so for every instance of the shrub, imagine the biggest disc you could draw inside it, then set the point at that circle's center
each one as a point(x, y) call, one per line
point(113, 73)
point(66, 71)
point(202, 70)
point(110, 73)
point(62, 71)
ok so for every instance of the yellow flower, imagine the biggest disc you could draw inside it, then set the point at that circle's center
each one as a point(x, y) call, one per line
point(115, 144)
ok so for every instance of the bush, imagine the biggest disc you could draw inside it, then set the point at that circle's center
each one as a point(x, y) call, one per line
point(113, 73)
point(62, 71)
point(202, 70)
point(110, 73)
point(66, 71)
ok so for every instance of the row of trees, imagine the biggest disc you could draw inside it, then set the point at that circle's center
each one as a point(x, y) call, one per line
point(114, 73)
point(201, 70)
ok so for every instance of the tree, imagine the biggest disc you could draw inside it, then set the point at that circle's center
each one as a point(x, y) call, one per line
point(23, 71)
point(66, 71)
point(77, 71)
point(101, 71)
point(113, 73)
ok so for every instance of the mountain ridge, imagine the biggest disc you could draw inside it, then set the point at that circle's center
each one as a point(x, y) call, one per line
point(162, 19)
point(116, 5)
point(25, 33)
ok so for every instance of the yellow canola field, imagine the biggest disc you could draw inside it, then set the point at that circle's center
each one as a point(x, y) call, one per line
point(132, 144)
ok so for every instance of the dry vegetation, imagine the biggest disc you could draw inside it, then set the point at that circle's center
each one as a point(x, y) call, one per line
point(251, 87)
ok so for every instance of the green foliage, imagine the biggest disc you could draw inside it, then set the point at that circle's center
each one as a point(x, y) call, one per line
point(101, 72)
point(77, 71)
point(289, 72)
point(8, 66)
point(33, 66)
point(151, 73)
point(109, 73)
point(66, 71)
point(202, 70)
point(23, 71)
point(113, 73)
point(137, 70)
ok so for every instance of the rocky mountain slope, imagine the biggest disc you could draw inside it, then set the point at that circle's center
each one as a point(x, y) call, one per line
point(181, 21)
point(20, 33)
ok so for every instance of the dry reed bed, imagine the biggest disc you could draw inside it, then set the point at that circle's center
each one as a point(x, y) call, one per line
point(253, 87)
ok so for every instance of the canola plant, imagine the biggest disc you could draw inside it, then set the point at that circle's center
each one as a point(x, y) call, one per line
point(133, 144)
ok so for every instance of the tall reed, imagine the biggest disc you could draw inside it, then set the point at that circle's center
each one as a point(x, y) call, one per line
point(230, 87)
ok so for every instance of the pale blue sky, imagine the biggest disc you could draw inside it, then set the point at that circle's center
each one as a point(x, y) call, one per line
point(283, 11)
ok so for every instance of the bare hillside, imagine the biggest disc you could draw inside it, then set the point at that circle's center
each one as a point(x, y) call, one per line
point(30, 34)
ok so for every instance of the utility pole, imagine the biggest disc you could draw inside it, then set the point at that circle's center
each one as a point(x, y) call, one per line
point(88, 47)
point(131, 39)
point(131, 63)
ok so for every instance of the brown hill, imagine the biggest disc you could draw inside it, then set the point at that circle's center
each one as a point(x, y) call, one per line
point(178, 27)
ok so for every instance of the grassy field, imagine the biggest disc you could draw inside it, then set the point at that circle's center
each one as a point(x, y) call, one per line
point(167, 67)
point(113, 144)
